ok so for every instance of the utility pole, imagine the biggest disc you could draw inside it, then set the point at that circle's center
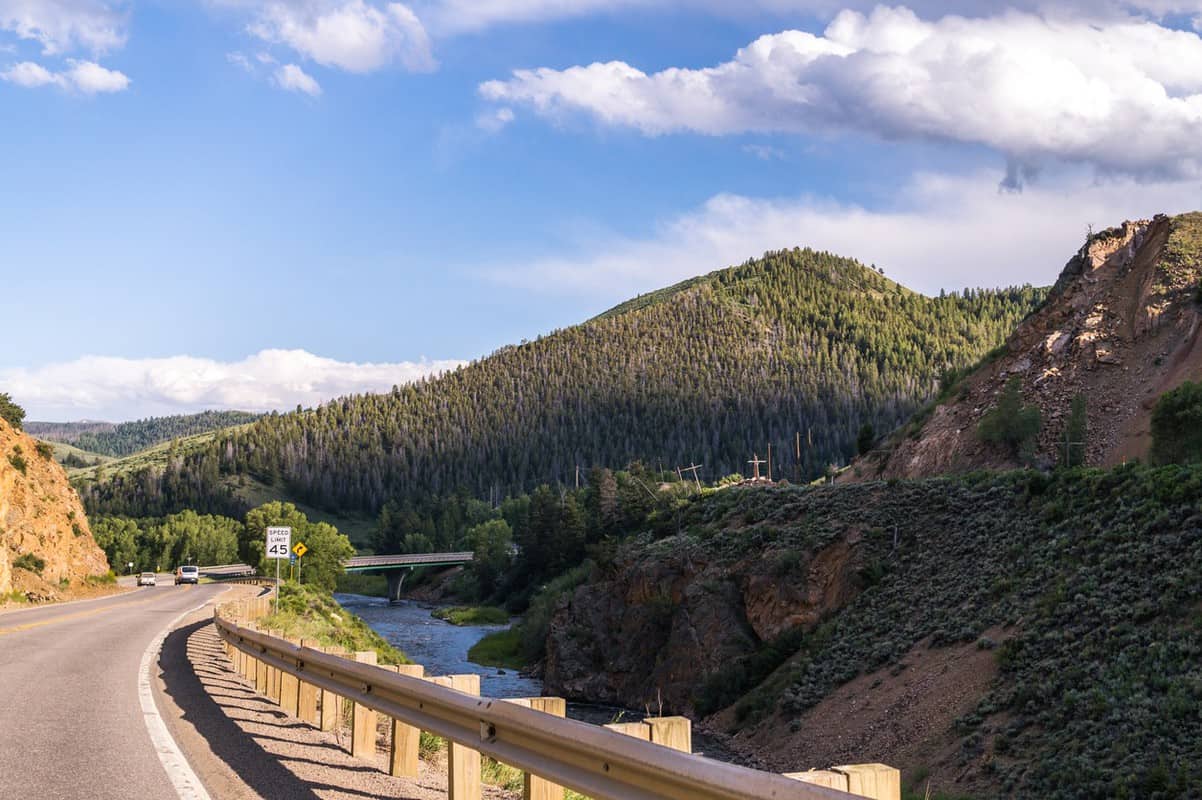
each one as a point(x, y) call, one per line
point(755, 466)
point(577, 476)
point(797, 458)
point(693, 469)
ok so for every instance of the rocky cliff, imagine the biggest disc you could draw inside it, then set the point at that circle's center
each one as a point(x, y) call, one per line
point(41, 519)
point(1119, 329)
point(648, 629)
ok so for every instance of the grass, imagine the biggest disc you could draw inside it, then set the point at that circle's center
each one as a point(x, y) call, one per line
point(62, 451)
point(499, 649)
point(472, 615)
point(309, 613)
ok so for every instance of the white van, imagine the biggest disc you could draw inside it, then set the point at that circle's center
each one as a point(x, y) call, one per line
point(187, 575)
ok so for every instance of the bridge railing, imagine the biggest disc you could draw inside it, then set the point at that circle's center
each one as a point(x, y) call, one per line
point(601, 763)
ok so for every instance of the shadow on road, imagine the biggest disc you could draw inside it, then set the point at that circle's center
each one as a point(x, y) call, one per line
point(213, 711)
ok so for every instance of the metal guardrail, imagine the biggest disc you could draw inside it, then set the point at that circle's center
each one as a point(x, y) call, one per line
point(407, 558)
point(600, 763)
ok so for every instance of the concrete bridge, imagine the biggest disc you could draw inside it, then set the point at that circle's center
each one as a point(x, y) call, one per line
point(395, 567)
point(398, 566)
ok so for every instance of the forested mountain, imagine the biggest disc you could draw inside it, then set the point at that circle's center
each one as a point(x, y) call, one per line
point(710, 371)
point(126, 438)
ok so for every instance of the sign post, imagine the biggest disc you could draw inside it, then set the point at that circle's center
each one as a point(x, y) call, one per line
point(298, 552)
point(279, 543)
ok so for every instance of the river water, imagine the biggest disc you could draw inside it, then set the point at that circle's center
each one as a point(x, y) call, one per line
point(442, 649)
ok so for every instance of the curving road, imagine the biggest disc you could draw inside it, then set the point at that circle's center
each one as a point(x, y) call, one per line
point(71, 720)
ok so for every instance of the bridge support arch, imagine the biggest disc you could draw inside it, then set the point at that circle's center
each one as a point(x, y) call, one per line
point(396, 580)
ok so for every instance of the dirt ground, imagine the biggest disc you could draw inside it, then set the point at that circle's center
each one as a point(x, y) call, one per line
point(904, 719)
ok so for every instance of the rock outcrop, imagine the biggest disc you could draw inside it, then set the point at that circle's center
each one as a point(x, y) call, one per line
point(40, 517)
point(649, 631)
point(1120, 328)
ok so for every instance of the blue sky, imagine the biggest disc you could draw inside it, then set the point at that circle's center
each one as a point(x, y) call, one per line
point(256, 203)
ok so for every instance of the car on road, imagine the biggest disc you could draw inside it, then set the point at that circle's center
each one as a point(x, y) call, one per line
point(187, 575)
point(147, 579)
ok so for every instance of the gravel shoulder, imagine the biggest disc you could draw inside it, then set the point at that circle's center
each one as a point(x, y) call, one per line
point(242, 745)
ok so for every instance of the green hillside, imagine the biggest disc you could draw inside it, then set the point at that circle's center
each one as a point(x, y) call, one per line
point(75, 460)
point(711, 371)
point(1079, 590)
point(127, 438)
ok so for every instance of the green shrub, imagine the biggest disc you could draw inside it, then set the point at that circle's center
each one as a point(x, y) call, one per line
point(1010, 423)
point(10, 412)
point(31, 562)
point(17, 459)
point(1177, 425)
point(45, 450)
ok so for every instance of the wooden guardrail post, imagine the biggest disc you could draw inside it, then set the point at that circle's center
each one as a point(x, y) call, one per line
point(290, 689)
point(306, 695)
point(638, 730)
point(331, 704)
point(534, 787)
point(406, 739)
point(274, 676)
point(821, 777)
point(363, 719)
point(878, 781)
point(674, 732)
point(463, 763)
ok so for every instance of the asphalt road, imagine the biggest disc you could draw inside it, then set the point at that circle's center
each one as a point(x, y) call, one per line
point(71, 725)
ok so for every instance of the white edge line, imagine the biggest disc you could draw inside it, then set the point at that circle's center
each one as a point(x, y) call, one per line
point(179, 771)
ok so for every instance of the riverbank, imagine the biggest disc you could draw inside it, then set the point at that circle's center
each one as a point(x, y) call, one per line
point(308, 613)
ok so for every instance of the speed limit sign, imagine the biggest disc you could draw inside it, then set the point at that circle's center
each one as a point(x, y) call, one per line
point(279, 542)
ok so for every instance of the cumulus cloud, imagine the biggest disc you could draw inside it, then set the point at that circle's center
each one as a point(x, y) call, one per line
point(292, 78)
point(1123, 96)
point(83, 76)
point(124, 388)
point(352, 35)
point(939, 231)
point(61, 26)
point(459, 16)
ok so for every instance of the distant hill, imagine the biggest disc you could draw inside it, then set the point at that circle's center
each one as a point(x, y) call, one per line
point(710, 371)
point(127, 438)
point(1121, 327)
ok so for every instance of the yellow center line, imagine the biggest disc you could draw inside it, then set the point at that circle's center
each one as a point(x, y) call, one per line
point(76, 615)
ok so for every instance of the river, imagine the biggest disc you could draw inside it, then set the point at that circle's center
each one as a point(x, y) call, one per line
point(442, 649)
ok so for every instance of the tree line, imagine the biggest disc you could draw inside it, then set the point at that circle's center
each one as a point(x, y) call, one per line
point(127, 438)
point(710, 372)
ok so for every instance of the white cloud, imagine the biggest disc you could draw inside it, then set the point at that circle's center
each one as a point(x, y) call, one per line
point(124, 388)
point(465, 16)
point(91, 78)
point(939, 232)
point(1123, 95)
point(494, 120)
point(65, 25)
point(352, 35)
point(30, 75)
point(83, 76)
point(292, 78)
point(240, 60)
point(764, 152)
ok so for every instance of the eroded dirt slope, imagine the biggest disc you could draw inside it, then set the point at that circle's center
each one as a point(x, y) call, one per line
point(1120, 328)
